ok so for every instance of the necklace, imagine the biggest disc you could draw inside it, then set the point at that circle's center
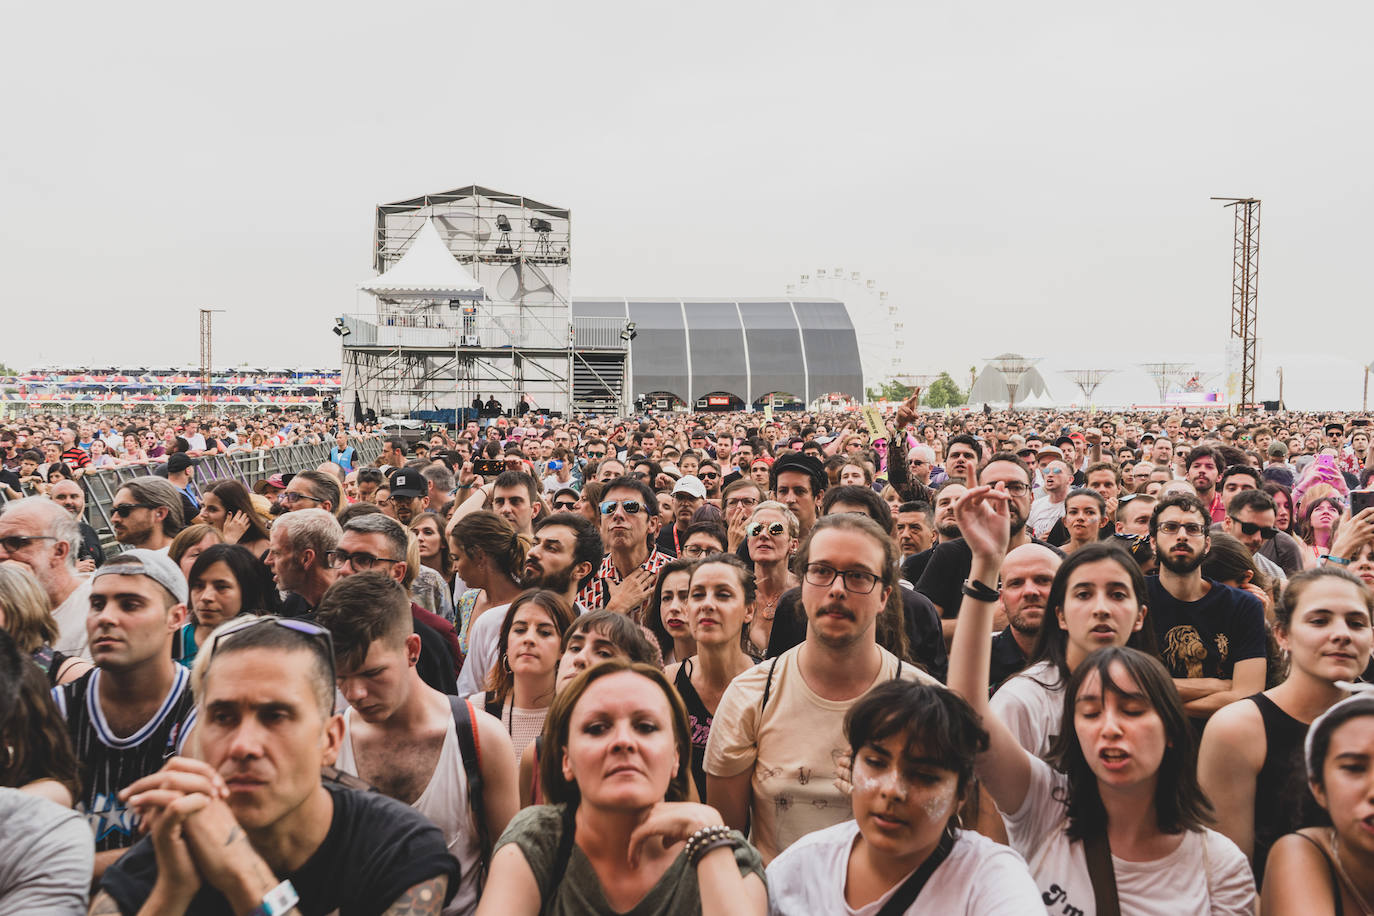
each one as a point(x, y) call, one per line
point(1359, 898)
point(767, 609)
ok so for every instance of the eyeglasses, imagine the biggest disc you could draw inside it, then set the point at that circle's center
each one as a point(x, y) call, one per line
point(359, 561)
point(17, 542)
point(1015, 488)
point(292, 498)
point(314, 632)
point(1250, 529)
point(1192, 529)
point(565, 504)
point(775, 529)
point(855, 580)
point(696, 550)
point(124, 510)
point(748, 502)
point(631, 506)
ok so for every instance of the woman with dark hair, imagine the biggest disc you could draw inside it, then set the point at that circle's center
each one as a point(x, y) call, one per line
point(225, 580)
point(1116, 819)
point(1096, 600)
point(1328, 871)
point(1283, 505)
point(1319, 524)
point(38, 758)
point(913, 747)
point(228, 508)
point(490, 556)
point(520, 685)
point(1251, 753)
point(720, 606)
point(666, 617)
point(588, 500)
point(58, 470)
point(619, 835)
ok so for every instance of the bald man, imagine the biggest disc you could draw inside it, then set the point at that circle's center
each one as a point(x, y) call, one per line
point(1027, 574)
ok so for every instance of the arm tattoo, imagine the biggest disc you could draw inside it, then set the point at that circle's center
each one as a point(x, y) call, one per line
point(104, 905)
point(423, 899)
point(234, 833)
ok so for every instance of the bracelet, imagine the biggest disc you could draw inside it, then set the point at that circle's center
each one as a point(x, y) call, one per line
point(278, 900)
point(709, 846)
point(980, 592)
point(1328, 558)
point(696, 844)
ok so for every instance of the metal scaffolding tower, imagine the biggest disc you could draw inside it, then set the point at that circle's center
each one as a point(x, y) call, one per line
point(1245, 291)
point(1166, 375)
point(206, 345)
point(1087, 380)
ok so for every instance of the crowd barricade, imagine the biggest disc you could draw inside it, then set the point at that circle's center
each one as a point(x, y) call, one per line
point(246, 467)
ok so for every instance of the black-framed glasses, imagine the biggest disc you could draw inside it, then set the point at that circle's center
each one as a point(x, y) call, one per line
point(17, 542)
point(856, 581)
point(631, 506)
point(359, 561)
point(124, 510)
point(775, 529)
point(311, 631)
point(695, 551)
point(565, 504)
point(1250, 529)
point(1015, 488)
point(1192, 529)
point(292, 498)
point(735, 502)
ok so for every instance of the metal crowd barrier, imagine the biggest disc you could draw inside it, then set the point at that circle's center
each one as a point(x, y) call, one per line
point(246, 467)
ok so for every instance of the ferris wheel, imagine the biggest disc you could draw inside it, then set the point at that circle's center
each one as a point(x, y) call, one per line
point(878, 327)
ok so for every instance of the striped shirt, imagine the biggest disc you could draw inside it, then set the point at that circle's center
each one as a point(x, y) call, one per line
point(594, 594)
point(109, 763)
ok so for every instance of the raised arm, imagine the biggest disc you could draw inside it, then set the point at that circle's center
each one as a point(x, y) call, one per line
point(1004, 768)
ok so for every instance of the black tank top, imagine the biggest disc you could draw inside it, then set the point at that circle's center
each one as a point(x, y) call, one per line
point(699, 720)
point(1283, 802)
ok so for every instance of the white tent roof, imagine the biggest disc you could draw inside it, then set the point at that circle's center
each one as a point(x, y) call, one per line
point(427, 270)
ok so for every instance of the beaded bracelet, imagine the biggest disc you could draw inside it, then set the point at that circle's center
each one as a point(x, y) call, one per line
point(707, 836)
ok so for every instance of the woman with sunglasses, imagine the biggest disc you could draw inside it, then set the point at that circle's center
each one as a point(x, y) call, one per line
point(772, 538)
point(1329, 870)
point(720, 605)
point(1251, 751)
point(1118, 820)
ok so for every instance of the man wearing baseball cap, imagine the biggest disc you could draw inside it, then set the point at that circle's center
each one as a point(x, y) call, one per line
point(180, 472)
point(689, 495)
point(409, 494)
point(134, 709)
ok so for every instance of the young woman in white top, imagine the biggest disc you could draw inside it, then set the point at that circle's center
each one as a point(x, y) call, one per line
point(1120, 815)
point(1329, 871)
point(913, 748)
point(1029, 704)
point(1251, 754)
point(520, 685)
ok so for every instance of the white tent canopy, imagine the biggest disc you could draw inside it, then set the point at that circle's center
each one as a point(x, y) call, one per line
point(427, 270)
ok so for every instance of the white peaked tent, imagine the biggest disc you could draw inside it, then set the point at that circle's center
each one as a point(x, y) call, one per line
point(427, 270)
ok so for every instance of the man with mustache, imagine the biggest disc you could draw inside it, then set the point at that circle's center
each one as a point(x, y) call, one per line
point(1211, 636)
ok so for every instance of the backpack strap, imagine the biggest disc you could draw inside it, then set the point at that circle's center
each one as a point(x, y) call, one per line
point(470, 746)
point(768, 685)
point(565, 845)
point(1098, 853)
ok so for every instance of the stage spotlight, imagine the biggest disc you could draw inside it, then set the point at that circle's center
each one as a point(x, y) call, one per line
point(541, 225)
point(629, 333)
point(503, 222)
point(340, 328)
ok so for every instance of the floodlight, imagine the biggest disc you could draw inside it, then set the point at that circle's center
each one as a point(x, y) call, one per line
point(539, 224)
point(629, 333)
point(503, 222)
point(340, 328)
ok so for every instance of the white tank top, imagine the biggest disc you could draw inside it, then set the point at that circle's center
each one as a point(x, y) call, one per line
point(445, 802)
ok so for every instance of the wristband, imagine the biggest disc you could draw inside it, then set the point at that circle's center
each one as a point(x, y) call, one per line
point(278, 900)
point(980, 592)
point(1328, 558)
point(705, 839)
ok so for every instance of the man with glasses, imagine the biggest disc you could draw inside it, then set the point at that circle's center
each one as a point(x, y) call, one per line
point(133, 710)
point(778, 781)
point(146, 513)
point(43, 536)
point(703, 539)
point(250, 826)
point(689, 495)
point(624, 581)
point(1250, 515)
point(564, 500)
point(313, 490)
point(375, 543)
point(1211, 636)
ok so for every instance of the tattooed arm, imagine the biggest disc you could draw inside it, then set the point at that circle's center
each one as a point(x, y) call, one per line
point(423, 899)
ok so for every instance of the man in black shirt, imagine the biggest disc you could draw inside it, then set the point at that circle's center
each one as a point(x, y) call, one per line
point(1027, 574)
point(251, 825)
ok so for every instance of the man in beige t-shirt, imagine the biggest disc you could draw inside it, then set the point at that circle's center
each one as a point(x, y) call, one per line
point(779, 730)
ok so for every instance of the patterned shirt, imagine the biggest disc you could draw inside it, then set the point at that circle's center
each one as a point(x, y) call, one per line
point(595, 594)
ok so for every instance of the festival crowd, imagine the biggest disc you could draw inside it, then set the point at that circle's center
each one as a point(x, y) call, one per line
point(923, 662)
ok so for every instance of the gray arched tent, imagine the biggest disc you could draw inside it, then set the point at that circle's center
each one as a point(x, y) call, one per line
point(746, 347)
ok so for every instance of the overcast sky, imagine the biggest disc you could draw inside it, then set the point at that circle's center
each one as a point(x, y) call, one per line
point(1019, 176)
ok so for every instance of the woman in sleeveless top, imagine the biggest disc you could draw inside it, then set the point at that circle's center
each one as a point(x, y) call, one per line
point(720, 605)
point(1118, 817)
point(520, 685)
point(667, 613)
point(619, 836)
point(1329, 871)
point(1251, 754)
point(593, 638)
point(25, 615)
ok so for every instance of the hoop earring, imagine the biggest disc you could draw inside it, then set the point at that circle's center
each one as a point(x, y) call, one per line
point(505, 663)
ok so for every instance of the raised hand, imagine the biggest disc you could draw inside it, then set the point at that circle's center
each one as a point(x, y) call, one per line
point(985, 521)
point(671, 822)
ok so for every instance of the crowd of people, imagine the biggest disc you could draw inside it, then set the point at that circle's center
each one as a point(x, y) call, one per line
point(975, 662)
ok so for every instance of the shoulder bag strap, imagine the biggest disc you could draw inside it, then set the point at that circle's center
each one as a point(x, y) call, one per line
point(911, 888)
point(1098, 852)
point(564, 854)
point(471, 749)
point(768, 686)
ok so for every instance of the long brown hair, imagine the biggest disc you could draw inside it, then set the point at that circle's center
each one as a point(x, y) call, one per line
point(500, 680)
point(445, 552)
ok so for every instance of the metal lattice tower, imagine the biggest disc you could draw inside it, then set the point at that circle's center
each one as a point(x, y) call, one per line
point(1245, 290)
point(1166, 374)
point(1087, 380)
point(206, 342)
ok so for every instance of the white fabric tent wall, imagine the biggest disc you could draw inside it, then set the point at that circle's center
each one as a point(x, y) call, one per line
point(428, 270)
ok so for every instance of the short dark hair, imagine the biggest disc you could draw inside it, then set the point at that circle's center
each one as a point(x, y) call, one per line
point(361, 609)
point(258, 594)
point(1242, 470)
point(1088, 493)
point(875, 507)
point(646, 492)
point(917, 505)
point(588, 547)
point(964, 439)
point(1188, 502)
point(1255, 500)
point(712, 528)
point(274, 636)
point(1198, 452)
point(509, 480)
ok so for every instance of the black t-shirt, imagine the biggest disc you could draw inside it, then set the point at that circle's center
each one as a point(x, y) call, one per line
point(90, 545)
point(1007, 659)
point(1206, 638)
point(914, 565)
point(943, 579)
point(375, 850)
